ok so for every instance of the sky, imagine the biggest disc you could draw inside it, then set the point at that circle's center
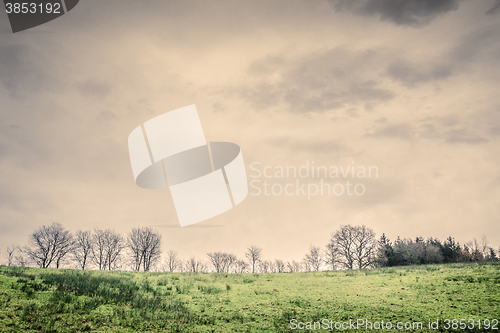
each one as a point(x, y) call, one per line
point(410, 88)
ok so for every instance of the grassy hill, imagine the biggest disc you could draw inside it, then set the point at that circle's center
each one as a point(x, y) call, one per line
point(49, 300)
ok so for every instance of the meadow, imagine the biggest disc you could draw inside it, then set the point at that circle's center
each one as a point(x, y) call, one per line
point(51, 300)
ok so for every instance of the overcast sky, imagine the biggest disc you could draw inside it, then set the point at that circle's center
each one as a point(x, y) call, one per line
point(410, 87)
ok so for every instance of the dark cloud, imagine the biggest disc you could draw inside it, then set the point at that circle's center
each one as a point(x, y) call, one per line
point(266, 66)
point(19, 73)
point(481, 44)
point(495, 131)
point(261, 96)
point(94, 88)
point(495, 9)
point(22, 143)
point(316, 146)
point(412, 75)
point(218, 107)
point(323, 81)
point(482, 128)
point(463, 135)
point(394, 131)
point(414, 13)
point(478, 48)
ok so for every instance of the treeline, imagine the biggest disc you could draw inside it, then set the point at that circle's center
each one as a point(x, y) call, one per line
point(350, 247)
point(54, 246)
point(403, 252)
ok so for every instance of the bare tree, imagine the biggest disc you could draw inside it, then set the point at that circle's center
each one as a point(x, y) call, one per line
point(66, 244)
point(433, 254)
point(306, 266)
point(476, 249)
point(254, 255)
point(221, 261)
point(279, 265)
point(343, 242)
point(98, 249)
point(114, 244)
point(331, 256)
point(10, 254)
point(229, 260)
point(216, 258)
point(484, 246)
point(265, 266)
point(194, 266)
point(82, 249)
point(180, 267)
point(314, 257)
point(241, 267)
point(355, 246)
point(172, 262)
point(293, 267)
point(21, 260)
point(365, 246)
point(107, 246)
point(191, 265)
point(48, 245)
point(145, 247)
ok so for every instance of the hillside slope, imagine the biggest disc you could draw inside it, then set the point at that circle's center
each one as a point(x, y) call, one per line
point(49, 300)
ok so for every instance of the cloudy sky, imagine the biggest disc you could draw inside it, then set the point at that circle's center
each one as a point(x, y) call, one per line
point(409, 87)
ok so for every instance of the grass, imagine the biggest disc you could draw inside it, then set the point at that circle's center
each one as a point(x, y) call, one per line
point(49, 300)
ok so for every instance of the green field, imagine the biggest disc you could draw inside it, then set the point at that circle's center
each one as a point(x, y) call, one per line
point(50, 300)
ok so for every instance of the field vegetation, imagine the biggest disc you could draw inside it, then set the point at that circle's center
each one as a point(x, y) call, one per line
point(58, 300)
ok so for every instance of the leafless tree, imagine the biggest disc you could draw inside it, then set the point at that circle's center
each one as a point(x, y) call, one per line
point(172, 262)
point(114, 245)
point(433, 254)
point(202, 267)
point(221, 261)
point(366, 246)
point(356, 246)
point(65, 246)
point(280, 266)
point(194, 266)
point(145, 247)
point(83, 248)
point(229, 260)
point(10, 254)
point(476, 249)
point(484, 246)
point(49, 244)
point(331, 256)
point(314, 258)
point(216, 259)
point(241, 267)
point(343, 242)
point(265, 266)
point(254, 256)
point(293, 267)
point(98, 249)
point(21, 260)
point(107, 246)
point(305, 266)
point(181, 267)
